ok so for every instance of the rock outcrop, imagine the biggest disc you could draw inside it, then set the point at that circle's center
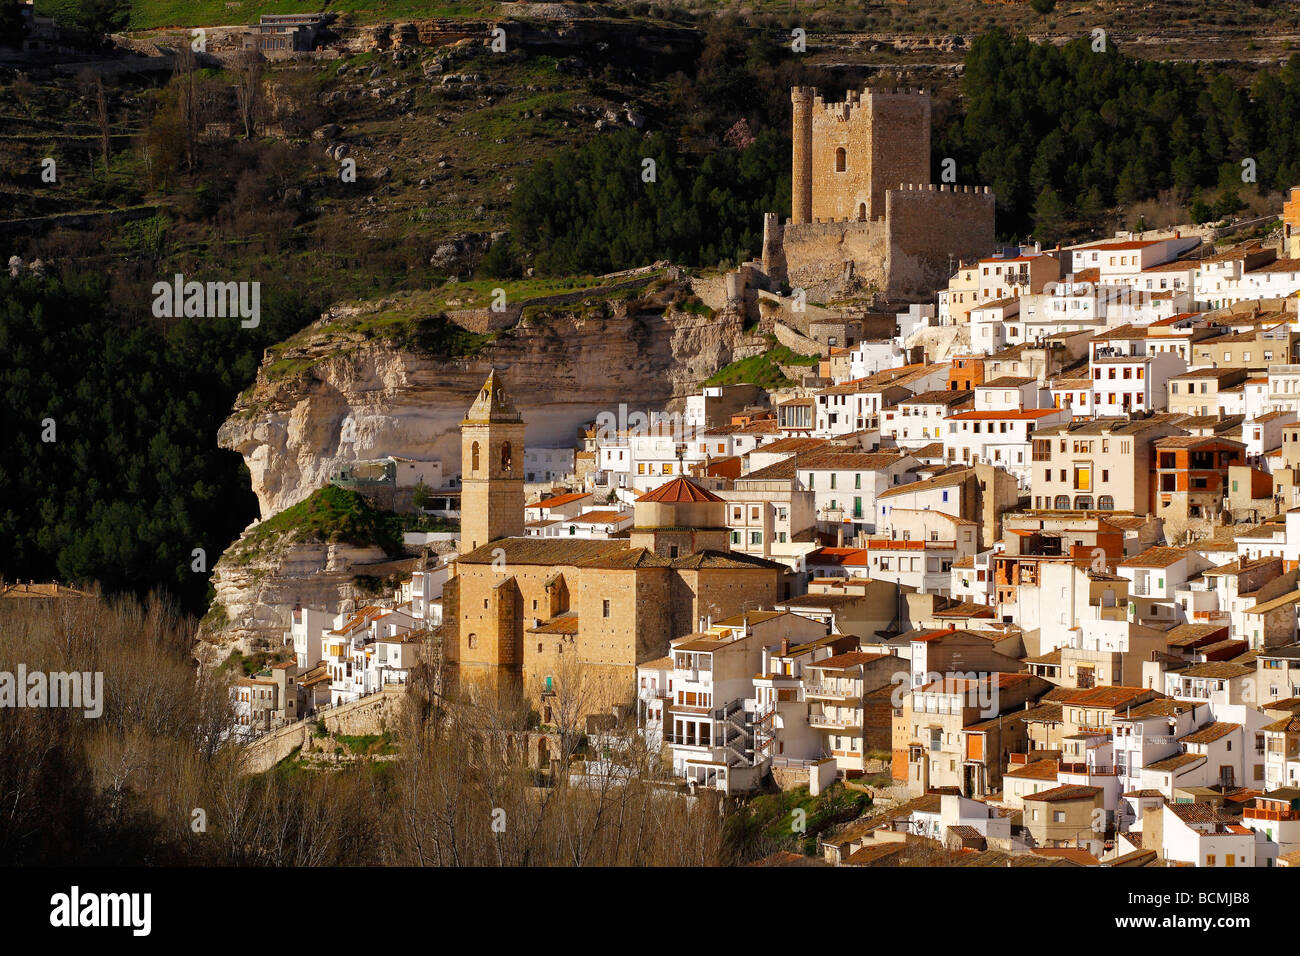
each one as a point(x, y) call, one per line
point(255, 592)
point(336, 396)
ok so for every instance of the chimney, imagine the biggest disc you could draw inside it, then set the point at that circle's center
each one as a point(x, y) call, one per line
point(785, 646)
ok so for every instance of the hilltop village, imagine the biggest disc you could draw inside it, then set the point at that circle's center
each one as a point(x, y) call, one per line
point(1028, 547)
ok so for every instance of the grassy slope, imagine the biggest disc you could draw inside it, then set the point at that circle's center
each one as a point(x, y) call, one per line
point(151, 14)
point(330, 514)
point(1247, 25)
point(761, 369)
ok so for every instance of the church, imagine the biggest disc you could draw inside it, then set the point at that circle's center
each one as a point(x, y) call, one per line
point(530, 613)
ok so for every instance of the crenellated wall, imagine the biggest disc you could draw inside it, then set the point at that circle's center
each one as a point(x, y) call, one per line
point(932, 227)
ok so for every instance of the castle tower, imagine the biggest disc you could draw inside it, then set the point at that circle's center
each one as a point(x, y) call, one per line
point(848, 155)
point(491, 468)
point(774, 266)
point(801, 98)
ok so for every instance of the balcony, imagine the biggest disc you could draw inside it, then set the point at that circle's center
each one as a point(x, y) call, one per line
point(822, 722)
point(1093, 769)
point(833, 691)
point(1280, 816)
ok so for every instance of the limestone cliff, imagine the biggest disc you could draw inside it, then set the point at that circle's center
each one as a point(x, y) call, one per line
point(254, 595)
point(341, 392)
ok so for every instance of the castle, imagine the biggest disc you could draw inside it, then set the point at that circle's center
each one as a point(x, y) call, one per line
point(862, 204)
point(530, 614)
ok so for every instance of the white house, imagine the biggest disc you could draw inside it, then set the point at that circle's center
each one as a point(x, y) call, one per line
point(999, 437)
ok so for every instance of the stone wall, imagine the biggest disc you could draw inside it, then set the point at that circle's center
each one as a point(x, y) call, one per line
point(900, 143)
point(815, 252)
point(794, 341)
point(488, 320)
point(712, 291)
point(932, 227)
point(484, 321)
point(369, 715)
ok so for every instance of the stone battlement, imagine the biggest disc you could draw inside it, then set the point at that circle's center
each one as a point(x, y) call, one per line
point(940, 188)
point(843, 110)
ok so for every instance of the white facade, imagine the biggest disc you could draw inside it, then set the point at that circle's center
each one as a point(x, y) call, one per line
point(999, 438)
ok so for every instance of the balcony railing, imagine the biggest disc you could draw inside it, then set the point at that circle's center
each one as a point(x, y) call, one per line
point(1096, 769)
point(820, 689)
point(1254, 813)
point(821, 720)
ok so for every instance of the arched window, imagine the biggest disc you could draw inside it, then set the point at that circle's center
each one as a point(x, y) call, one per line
point(505, 456)
point(473, 458)
point(862, 212)
point(1106, 503)
point(1062, 503)
point(1083, 503)
point(473, 641)
point(841, 160)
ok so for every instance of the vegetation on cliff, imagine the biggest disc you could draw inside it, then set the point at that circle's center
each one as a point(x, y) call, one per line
point(763, 369)
point(329, 515)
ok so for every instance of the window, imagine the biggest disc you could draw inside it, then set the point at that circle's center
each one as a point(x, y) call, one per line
point(841, 160)
point(604, 608)
point(473, 465)
point(505, 456)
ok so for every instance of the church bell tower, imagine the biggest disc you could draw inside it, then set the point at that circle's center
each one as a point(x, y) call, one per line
point(491, 468)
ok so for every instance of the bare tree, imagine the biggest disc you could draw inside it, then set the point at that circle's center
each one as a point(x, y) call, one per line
point(101, 115)
point(248, 89)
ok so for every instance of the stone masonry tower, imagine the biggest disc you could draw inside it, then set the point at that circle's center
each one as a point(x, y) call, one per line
point(491, 468)
point(848, 155)
point(801, 98)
